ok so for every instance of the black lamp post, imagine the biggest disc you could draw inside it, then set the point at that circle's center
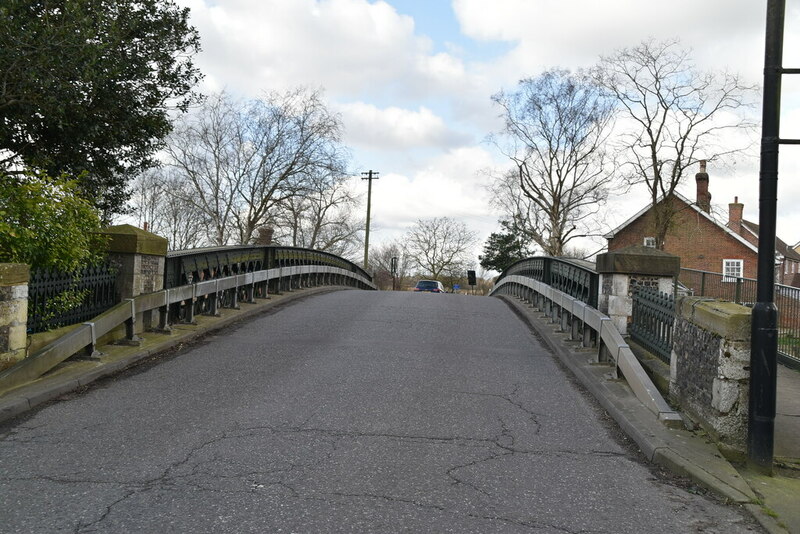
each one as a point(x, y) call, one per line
point(764, 338)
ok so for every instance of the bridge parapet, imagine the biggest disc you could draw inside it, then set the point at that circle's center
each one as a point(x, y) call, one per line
point(577, 315)
point(231, 281)
point(576, 278)
point(191, 265)
point(624, 271)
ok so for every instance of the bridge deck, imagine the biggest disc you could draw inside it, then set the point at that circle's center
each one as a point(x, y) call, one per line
point(350, 411)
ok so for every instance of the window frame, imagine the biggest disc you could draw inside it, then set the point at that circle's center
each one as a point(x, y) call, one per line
point(651, 239)
point(728, 278)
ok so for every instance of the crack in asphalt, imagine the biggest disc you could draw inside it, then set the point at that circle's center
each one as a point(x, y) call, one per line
point(82, 527)
point(457, 480)
point(458, 440)
point(393, 499)
point(499, 447)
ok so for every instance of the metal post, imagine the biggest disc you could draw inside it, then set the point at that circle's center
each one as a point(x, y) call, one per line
point(394, 264)
point(764, 336)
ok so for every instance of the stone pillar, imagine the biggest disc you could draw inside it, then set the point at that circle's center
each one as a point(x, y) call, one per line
point(710, 369)
point(622, 271)
point(14, 279)
point(139, 256)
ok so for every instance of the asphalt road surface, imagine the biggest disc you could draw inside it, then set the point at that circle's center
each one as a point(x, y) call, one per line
point(351, 411)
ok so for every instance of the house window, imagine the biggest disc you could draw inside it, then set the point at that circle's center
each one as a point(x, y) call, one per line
point(650, 242)
point(732, 269)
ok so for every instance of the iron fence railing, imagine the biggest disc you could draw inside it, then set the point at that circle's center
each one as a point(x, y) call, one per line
point(584, 324)
point(85, 337)
point(651, 323)
point(576, 278)
point(194, 265)
point(743, 291)
point(46, 296)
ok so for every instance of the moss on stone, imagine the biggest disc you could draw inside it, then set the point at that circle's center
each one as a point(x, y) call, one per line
point(128, 239)
point(14, 274)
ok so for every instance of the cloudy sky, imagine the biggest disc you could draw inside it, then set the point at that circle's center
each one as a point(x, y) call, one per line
point(412, 81)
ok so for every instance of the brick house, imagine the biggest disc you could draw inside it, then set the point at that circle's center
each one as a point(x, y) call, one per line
point(704, 243)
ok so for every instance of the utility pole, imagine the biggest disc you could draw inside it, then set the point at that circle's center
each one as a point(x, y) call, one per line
point(764, 333)
point(369, 176)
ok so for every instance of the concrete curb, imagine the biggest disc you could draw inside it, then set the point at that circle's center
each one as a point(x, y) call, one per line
point(76, 374)
point(677, 450)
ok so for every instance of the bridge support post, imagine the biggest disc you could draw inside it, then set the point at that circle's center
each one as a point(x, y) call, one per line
point(250, 293)
point(139, 257)
point(14, 278)
point(190, 307)
point(214, 297)
point(622, 271)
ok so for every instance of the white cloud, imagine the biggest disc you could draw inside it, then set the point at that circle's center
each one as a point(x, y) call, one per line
point(346, 46)
point(449, 186)
point(573, 34)
point(394, 128)
point(413, 106)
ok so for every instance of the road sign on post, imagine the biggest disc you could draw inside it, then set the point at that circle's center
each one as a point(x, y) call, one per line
point(471, 279)
point(394, 273)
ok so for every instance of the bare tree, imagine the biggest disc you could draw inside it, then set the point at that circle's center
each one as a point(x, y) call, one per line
point(557, 125)
point(321, 216)
point(242, 159)
point(439, 246)
point(674, 114)
point(518, 211)
point(381, 262)
point(158, 200)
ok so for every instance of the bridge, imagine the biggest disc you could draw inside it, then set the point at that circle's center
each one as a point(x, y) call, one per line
point(326, 410)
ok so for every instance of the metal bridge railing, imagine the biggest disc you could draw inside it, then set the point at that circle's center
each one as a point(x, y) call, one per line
point(92, 285)
point(187, 266)
point(294, 269)
point(576, 278)
point(651, 323)
point(582, 322)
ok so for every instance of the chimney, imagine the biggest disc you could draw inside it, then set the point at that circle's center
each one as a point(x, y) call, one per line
point(703, 196)
point(735, 210)
point(264, 236)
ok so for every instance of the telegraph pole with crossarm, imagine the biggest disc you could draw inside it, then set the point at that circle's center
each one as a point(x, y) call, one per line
point(369, 176)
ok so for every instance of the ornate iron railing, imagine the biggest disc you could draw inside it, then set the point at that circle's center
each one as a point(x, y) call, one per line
point(84, 338)
point(652, 319)
point(47, 288)
point(194, 265)
point(585, 324)
point(576, 278)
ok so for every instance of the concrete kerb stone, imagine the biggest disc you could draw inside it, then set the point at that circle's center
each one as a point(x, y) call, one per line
point(681, 465)
point(47, 388)
point(13, 407)
point(669, 448)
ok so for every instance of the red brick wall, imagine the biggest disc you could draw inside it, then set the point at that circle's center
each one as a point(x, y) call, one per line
point(745, 233)
point(700, 243)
